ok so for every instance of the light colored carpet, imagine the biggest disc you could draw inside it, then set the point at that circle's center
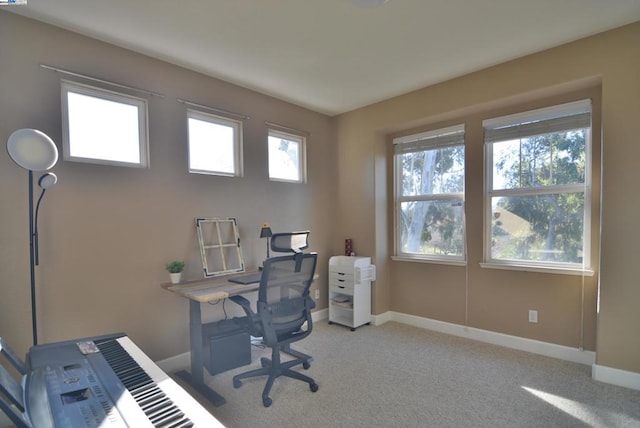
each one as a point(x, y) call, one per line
point(401, 376)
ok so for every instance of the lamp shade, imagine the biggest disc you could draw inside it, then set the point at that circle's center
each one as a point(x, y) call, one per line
point(47, 180)
point(32, 149)
point(265, 232)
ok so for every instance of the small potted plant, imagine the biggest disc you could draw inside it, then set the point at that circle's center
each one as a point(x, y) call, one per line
point(175, 269)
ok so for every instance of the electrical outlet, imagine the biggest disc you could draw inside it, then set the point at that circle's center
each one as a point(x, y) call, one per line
point(317, 293)
point(533, 316)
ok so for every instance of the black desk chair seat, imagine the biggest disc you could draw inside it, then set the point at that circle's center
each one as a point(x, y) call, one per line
point(283, 316)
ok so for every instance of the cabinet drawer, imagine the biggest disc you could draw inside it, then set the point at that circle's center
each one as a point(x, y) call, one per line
point(341, 276)
point(341, 288)
point(342, 282)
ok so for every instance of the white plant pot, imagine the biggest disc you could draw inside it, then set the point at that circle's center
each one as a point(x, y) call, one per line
point(175, 277)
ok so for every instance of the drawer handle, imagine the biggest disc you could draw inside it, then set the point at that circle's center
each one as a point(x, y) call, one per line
point(340, 273)
point(340, 286)
point(341, 280)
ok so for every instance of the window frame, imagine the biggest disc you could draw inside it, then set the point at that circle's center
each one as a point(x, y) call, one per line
point(302, 155)
point(559, 113)
point(67, 86)
point(429, 140)
point(235, 125)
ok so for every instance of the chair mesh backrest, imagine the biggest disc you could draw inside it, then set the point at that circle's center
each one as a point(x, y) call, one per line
point(284, 292)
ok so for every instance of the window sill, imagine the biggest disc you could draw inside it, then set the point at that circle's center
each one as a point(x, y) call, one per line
point(529, 268)
point(433, 261)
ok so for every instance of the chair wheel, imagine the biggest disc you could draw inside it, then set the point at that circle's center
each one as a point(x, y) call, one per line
point(313, 387)
point(306, 365)
point(237, 383)
point(266, 401)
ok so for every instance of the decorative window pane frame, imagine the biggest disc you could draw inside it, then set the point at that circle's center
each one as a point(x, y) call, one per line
point(219, 243)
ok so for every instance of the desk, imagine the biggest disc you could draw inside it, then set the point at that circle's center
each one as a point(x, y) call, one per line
point(202, 291)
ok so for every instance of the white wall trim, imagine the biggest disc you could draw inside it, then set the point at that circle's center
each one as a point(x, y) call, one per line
point(182, 361)
point(523, 344)
point(320, 315)
point(381, 319)
point(617, 377)
point(599, 373)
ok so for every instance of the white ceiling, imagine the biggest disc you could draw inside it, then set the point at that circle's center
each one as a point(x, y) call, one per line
point(330, 55)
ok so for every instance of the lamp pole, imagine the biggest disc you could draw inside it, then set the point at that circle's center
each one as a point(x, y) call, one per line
point(32, 262)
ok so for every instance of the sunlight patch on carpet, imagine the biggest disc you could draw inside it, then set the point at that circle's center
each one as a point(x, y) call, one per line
point(573, 408)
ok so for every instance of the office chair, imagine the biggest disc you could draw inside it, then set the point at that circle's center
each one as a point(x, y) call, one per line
point(283, 308)
point(11, 392)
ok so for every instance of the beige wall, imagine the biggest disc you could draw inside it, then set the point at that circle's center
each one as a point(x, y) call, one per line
point(605, 67)
point(107, 232)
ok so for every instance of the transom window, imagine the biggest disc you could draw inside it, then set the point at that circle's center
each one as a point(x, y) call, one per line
point(287, 157)
point(429, 195)
point(538, 187)
point(104, 127)
point(215, 144)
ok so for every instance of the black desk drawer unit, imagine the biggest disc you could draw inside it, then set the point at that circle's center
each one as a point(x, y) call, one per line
point(226, 345)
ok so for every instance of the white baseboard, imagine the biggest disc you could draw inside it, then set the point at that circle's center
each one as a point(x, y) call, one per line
point(320, 315)
point(599, 373)
point(616, 376)
point(529, 345)
point(182, 361)
point(382, 318)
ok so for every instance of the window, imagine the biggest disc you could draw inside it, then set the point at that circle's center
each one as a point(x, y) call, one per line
point(538, 187)
point(215, 144)
point(429, 195)
point(287, 157)
point(103, 127)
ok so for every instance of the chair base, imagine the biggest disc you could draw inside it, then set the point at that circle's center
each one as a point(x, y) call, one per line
point(274, 368)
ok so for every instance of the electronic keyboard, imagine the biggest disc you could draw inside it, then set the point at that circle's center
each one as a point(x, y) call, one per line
point(105, 382)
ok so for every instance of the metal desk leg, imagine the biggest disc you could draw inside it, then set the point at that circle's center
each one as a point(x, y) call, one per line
point(196, 378)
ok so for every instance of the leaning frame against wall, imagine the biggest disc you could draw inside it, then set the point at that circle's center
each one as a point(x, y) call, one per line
point(219, 246)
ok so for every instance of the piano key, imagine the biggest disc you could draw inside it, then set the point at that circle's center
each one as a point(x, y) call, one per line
point(154, 391)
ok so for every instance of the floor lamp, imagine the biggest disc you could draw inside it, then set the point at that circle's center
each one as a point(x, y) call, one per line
point(33, 150)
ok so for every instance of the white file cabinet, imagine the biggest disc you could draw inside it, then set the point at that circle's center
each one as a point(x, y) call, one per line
point(350, 290)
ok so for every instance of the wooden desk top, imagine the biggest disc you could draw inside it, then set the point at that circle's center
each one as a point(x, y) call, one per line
point(209, 289)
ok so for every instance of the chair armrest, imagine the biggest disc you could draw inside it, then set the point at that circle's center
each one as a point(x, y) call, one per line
point(252, 321)
point(243, 302)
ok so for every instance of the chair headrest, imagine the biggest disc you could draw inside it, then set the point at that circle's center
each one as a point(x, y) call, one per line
point(290, 242)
